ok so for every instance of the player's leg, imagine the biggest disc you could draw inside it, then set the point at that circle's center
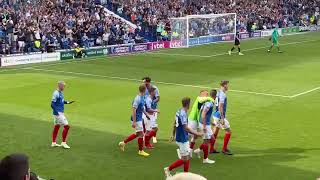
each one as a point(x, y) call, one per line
point(131, 137)
point(278, 46)
point(154, 128)
point(148, 134)
point(227, 137)
point(239, 50)
point(65, 131)
point(140, 135)
point(229, 52)
point(272, 44)
point(194, 126)
point(213, 140)
point(154, 138)
point(55, 132)
point(205, 146)
point(185, 159)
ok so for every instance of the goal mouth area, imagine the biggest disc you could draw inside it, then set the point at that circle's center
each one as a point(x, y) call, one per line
point(203, 29)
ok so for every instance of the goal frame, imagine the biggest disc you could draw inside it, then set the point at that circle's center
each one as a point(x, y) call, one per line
point(187, 19)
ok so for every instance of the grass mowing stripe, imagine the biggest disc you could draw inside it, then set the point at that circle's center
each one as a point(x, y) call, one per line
point(5, 69)
point(158, 82)
point(222, 54)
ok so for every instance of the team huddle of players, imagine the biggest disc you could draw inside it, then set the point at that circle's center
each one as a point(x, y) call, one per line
point(144, 117)
point(186, 128)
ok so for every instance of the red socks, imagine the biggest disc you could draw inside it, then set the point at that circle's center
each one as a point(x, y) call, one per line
point(204, 147)
point(130, 138)
point(176, 164)
point(140, 143)
point(55, 132)
point(148, 137)
point(226, 140)
point(192, 145)
point(186, 166)
point(65, 133)
point(212, 142)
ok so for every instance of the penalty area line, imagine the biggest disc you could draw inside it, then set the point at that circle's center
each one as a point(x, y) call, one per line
point(157, 82)
point(305, 92)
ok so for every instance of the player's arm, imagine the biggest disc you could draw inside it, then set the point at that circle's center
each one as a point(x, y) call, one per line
point(145, 113)
point(55, 96)
point(157, 99)
point(151, 111)
point(53, 106)
point(205, 99)
point(157, 95)
point(173, 130)
point(68, 102)
point(134, 117)
point(191, 131)
point(204, 116)
point(221, 111)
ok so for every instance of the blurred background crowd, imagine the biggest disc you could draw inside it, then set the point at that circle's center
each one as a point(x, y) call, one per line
point(46, 25)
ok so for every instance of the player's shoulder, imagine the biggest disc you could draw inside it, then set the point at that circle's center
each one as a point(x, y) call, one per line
point(56, 93)
point(138, 98)
point(148, 99)
point(221, 93)
point(181, 111)
point(208, 103)
point(154, 86)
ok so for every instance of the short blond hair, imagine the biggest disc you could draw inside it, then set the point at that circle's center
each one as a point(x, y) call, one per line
point(61, 82)
point(186, 176)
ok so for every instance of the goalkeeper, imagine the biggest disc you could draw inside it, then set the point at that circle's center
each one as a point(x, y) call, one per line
point(275, 40)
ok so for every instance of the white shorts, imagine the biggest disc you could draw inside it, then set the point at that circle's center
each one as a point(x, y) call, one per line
point(217, 123)
point(209, 132)
point(184, 148)
point(139, 126)
point(150, 124)
point(193, 125)
point(21, 44)
point(60, 120)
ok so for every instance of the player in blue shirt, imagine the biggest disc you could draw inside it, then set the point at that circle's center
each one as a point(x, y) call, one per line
point(180, 132)
point(220, 120)
point(151, 124)
point(156, 99)
point(138, 108)
point(57, 105)
point(206, 113)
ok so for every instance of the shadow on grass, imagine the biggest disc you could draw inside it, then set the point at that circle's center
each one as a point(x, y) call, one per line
point(94, 155)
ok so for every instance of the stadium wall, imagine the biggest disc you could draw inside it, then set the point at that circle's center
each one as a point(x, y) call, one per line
point(138, 48)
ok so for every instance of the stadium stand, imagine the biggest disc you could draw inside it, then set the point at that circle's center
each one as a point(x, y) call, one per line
point(47, 25)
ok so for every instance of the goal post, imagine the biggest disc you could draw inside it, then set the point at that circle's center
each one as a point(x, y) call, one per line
point(195, 30)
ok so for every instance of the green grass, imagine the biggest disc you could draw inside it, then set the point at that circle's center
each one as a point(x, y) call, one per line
point(274, 137)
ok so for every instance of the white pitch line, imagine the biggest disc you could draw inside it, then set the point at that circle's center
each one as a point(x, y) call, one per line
point(222, 54)
point(158, 82)
point(305, 92)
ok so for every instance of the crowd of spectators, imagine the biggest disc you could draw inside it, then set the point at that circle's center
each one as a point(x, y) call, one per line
point(45, 25)
point(153, 15)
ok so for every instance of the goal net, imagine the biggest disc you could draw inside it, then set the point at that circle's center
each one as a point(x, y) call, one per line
point(195, 30)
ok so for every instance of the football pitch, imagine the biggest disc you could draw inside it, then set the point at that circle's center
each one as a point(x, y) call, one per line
point(274, 111)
